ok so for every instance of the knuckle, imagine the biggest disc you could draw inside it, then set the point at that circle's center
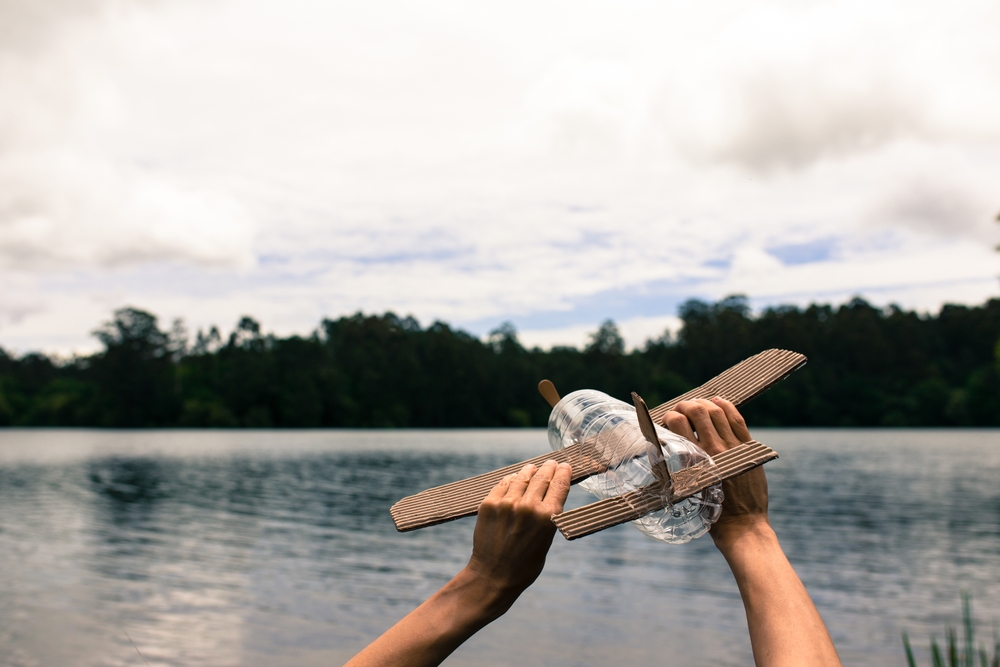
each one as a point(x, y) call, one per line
point(679, 428)
point(545, 474)
point(698, 410)
point(541, 513)
point(503, 505)
point(524, 509)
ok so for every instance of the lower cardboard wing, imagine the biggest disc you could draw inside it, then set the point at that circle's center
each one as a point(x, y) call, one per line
point(687, 482)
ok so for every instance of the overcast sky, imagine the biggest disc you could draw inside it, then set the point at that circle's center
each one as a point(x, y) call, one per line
point(547, 163)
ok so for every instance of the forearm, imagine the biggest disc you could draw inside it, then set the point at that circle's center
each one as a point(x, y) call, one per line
point(429, 634)
point(785, 628)
point(432, 631)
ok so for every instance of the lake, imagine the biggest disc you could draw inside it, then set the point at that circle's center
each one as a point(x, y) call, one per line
point(276, 548)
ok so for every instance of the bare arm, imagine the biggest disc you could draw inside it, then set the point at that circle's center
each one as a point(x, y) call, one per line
point(512, 537)
point(785, 628)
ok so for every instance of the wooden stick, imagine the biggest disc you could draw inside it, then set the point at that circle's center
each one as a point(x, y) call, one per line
point(548, 392)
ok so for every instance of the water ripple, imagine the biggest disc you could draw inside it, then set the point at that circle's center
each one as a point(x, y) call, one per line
point(274, 547)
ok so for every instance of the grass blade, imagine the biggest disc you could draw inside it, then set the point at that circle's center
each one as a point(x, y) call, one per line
point(910, 662)
point(969, 629)
point(936, 653)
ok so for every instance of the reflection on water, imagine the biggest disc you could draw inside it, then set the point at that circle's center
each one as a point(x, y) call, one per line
point(234, 548)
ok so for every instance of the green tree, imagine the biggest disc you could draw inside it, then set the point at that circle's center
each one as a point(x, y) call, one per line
point(135, 372)
point(868, 366)
point(606, 340)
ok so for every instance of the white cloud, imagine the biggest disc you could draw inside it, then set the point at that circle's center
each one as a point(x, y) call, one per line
point(636, 332)
point(61, 210)
point(485, 162)
point(66, 199)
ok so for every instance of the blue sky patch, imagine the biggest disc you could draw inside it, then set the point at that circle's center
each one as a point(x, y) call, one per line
point(804, 253)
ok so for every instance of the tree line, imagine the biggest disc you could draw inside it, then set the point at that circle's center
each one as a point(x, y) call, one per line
point(868, 366)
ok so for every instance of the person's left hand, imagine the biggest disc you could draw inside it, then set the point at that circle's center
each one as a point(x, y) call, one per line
point(514, 529)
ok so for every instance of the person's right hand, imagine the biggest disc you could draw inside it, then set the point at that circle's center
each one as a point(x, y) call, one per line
point(513, 534)
point(785, 628)
point(716, 426)
point(514, 529)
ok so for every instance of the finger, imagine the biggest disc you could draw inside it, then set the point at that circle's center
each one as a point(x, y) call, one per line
point(721, 422)
point(540, 482)
point(520, 481)
point(697, 414)
point(736, 421)
point(498, 491)
point(555, 495)
point(679, 424)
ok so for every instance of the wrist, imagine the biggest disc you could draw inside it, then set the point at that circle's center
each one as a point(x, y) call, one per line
point(745, 536)
point(486, 599)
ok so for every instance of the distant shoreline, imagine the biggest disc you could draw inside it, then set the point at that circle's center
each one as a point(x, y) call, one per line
point(868, 367)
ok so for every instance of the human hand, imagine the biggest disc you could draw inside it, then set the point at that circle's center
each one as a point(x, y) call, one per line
point(513, 534)
point(514, 529)
point(716, 426)
point(786, 630)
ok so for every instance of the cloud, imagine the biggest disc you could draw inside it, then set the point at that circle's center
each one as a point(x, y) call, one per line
point(66, 201)
point(636, 331)
point(28, 28)
point(549, 163)
point(940, 210)
point(791, 124)
point(60, 210)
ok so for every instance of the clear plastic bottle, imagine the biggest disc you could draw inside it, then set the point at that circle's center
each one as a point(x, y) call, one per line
point(609, 429)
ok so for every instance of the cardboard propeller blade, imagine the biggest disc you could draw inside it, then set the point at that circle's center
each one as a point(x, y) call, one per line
point(656, 463)
point(739, 384)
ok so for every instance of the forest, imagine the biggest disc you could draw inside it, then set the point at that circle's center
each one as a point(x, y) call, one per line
point(868, 366)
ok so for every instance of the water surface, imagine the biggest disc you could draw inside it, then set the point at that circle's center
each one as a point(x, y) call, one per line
point(276, 547)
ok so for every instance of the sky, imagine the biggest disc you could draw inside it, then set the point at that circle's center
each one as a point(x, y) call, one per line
point(550, 164)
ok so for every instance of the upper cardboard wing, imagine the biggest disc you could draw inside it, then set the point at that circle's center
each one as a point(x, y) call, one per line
point(739, 384)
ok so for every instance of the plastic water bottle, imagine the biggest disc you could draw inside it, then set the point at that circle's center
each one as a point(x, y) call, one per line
point(610, 429)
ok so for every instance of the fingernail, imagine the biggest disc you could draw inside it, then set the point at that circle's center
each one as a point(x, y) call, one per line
point(550, 461)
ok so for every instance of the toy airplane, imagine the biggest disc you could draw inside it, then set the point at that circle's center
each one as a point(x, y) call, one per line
point(739, 384)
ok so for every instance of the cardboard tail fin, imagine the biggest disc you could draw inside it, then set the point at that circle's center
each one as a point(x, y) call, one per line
point(739, 384)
